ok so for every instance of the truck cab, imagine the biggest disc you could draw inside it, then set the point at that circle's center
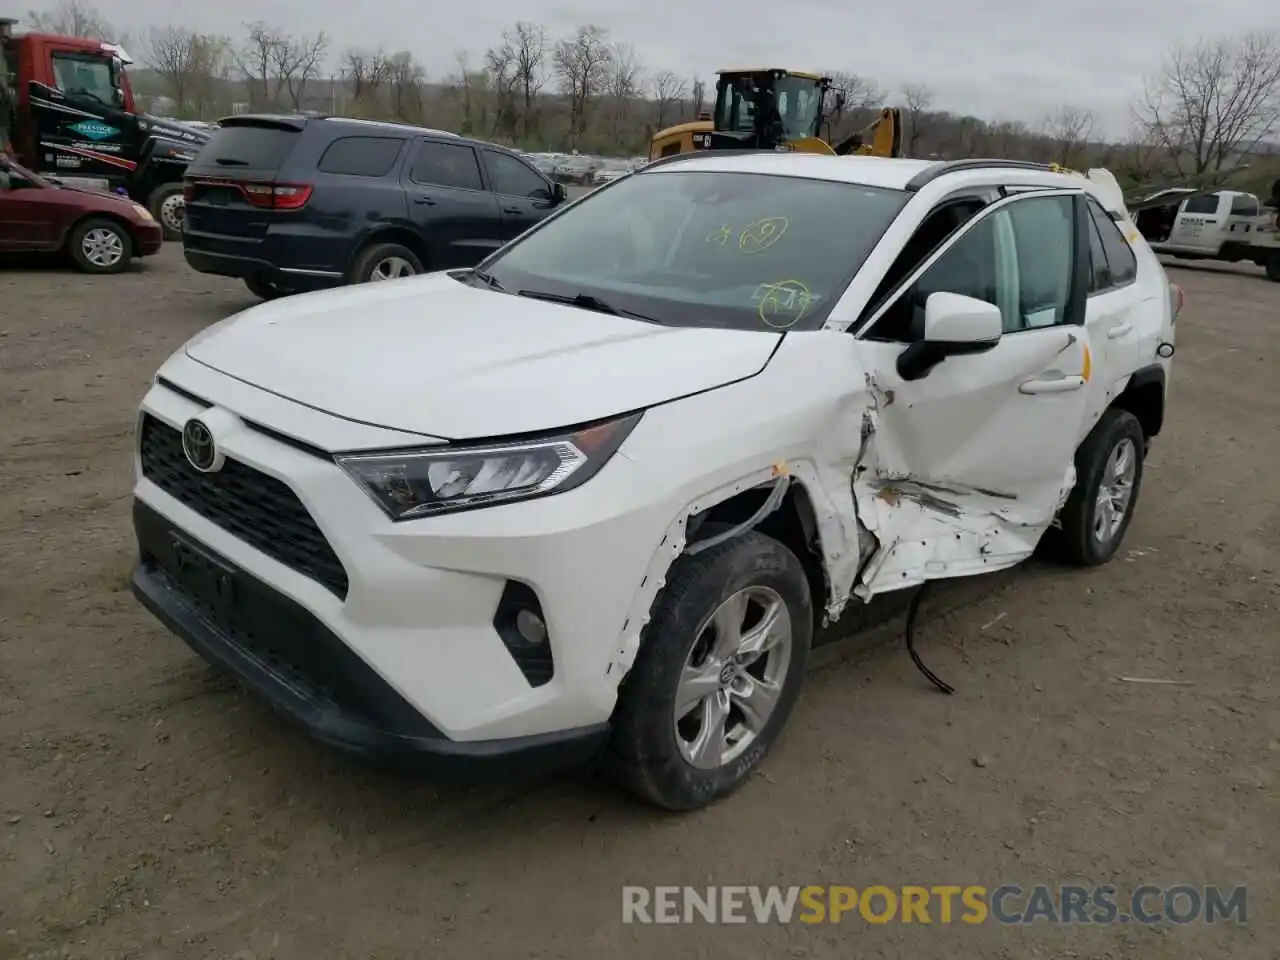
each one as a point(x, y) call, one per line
point(74, 117)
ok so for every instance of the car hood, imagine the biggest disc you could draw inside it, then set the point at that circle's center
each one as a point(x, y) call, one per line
point(433, 356)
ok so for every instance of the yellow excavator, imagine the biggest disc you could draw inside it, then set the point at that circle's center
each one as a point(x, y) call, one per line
point(775, 109)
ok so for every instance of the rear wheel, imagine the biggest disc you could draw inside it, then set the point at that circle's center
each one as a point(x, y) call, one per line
point(100, 246)
point(263, 288)
point(384, 261)
point(1100, 507)
point(169, 208)
point(1273, 266)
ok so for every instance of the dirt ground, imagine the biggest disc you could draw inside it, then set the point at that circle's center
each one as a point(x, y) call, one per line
point(149, 809)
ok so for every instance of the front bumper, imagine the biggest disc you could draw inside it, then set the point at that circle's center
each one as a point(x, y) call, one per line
point(292, 660)
point(148, 239)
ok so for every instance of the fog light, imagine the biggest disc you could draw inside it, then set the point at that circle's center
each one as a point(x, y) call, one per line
point(530, 627)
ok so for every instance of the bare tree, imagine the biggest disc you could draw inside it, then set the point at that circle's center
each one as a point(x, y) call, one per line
point(73, 18)
point(698, 96)
point(917, 99)
point(297, 63)
point(582, 65)
point(1214, 100)
point(471, 90)
point(529, 45)
point(667, 89)
point(256, 58)
point(366, 71)
point(851, 100)
point(624, 85)
point(189, 63)
point(1068, 129)
point(405, 78)
point(500, 61)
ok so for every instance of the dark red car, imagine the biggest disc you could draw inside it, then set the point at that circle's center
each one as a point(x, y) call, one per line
point(100, 232)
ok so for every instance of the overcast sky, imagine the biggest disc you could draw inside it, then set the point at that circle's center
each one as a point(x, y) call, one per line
point(998, 59)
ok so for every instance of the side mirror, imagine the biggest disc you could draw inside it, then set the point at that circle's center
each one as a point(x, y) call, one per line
point(954, 325)
point(558, 193)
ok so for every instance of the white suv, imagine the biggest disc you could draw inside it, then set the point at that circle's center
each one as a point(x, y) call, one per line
point(592, 498)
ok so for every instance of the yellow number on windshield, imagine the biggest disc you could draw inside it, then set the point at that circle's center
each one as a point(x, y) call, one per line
point(762, 234)
point(782, 304)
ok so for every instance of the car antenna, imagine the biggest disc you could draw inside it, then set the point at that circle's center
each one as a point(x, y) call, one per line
point(912, 610)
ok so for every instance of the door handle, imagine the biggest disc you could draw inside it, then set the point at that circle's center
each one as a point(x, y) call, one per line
point(1051, 384)
point(1119, 330)
point(511, 210)
point(424, 201)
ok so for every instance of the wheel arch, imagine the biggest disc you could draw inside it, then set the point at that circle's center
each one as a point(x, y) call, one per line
point(407, 237)
point(1143, 396)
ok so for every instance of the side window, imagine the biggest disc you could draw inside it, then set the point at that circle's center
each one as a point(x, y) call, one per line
point(1243, 205)
point(968, 268)
point(1018, 259)
point(1044, 234)
point(360, 156)
point(1120, 258)
point(1202, 204)
point(511, 177)
point(1099, 271)
point(446, 165)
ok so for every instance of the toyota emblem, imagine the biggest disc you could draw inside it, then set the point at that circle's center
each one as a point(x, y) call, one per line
point(198, 445)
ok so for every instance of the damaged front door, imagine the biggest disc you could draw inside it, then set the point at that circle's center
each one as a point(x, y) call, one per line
point(970, 458)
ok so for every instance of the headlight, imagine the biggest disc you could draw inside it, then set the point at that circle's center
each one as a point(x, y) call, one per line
point(143, 212)
point(419, 483)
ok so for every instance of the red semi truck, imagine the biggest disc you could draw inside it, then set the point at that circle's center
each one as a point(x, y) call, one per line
point(71, 115)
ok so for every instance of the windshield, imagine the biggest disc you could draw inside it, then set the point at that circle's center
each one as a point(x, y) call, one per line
point(798, 103)
point(740, 250)
point(87, 77)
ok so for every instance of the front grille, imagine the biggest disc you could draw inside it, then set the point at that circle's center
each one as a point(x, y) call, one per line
point(260, 510)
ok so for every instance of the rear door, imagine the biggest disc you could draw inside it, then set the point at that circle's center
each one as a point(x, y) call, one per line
point(230, 185)
point(524, 195)
point(1117, 304)
point(449, 205)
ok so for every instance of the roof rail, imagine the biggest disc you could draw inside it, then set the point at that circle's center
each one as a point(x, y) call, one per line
point(677, 157)
point(930, 174)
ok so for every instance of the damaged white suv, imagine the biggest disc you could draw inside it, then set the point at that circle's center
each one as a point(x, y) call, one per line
point(592, 499)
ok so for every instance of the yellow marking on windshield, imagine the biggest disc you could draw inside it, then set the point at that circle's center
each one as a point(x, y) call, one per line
point(783, 303)
point(762, 234)
point(720, 237)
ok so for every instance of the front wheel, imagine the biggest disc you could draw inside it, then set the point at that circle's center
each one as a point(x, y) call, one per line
point(1108, 478)
point(719, 670)
point(167, 205)
point(100, 246)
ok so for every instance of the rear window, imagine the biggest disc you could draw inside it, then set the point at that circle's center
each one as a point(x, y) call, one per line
point(1202, 204)
point(255, 148)
point(361, 156)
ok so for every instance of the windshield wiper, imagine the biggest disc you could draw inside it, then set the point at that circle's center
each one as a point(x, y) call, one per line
point(487, 279)
point(586, 301)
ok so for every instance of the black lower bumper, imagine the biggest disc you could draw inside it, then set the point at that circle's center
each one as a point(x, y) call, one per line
point(287, 656)
point(240, 267)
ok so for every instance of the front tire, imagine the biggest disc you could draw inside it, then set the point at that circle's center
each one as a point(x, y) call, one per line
point(100, 246)
point(720, 667)
point(1108, 478)
point(169, 208)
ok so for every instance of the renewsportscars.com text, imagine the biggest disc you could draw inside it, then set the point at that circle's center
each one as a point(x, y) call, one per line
point(938, 904)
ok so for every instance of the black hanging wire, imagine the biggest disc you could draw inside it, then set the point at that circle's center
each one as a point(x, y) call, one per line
point(912, 610)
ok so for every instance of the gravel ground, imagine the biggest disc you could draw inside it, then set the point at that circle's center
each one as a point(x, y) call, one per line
point(150, 809)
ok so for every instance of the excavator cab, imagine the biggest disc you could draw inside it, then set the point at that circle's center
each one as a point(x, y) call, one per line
point(775, 109)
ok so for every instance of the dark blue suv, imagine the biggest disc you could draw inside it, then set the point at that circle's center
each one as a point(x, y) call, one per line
point(301, 203)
